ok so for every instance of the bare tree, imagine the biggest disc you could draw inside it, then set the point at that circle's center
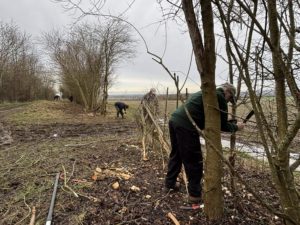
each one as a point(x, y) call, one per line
point(20, 67)
point(273, 62)
point(86, 59)
point(117, 45)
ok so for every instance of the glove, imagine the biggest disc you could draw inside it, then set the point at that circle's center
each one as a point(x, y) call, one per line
point(232, 121)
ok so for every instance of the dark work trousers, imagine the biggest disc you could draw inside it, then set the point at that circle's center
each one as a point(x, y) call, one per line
point(119, 111)
point(186, 150)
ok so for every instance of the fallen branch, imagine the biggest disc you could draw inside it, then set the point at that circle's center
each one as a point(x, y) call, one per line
point(94, 199)
point(81, 144)
point(73, 169)
point(100, 174)
point(32, 219)
point(65, 183)
point(173, 218)
point(29, 211)
point(294, 166)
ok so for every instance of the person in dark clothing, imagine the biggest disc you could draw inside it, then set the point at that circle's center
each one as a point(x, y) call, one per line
point(185, 142)
point(71, 98)
point(56, 97)
point(121, 108)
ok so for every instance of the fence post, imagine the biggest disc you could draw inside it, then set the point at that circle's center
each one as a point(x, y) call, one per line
point(177, 89)
point(166, 110)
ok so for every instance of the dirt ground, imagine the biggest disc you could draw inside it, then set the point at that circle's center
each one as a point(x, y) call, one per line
point(92, 153)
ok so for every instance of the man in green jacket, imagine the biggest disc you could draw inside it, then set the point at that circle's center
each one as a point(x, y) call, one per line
point(185, 142)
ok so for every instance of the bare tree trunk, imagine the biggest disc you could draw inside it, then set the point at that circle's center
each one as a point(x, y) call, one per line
point(105, 81)
point(177, 89)
point(104, 95)
point(82, 95)
point(205, 60)
point(283, 177)
point(166, 110)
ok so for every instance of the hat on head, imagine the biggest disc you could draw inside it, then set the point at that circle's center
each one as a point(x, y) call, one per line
point(153, 90)
point(232, 90)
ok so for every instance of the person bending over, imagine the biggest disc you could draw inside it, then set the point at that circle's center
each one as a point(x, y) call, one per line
point(185, 142)
point(121, 108)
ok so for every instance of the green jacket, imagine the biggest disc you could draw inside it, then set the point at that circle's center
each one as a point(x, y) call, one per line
point(195, 107)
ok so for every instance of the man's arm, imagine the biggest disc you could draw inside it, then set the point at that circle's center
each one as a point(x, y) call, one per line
point(156, 105)
point(226, 125)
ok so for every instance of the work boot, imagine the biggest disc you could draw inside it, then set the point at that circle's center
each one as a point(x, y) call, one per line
point(194, 199)
point(176, 188)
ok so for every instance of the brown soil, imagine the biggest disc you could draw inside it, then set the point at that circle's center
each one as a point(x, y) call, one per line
point(28, 167)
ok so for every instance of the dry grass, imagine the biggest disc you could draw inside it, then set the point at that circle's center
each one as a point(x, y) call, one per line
point(48, 135)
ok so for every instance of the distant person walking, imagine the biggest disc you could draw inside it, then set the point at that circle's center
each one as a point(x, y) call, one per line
point(121, 108)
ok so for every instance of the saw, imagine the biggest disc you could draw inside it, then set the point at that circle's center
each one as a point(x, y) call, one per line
point(250, 114)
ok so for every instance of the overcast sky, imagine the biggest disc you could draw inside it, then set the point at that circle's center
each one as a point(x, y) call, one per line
point(137, 75)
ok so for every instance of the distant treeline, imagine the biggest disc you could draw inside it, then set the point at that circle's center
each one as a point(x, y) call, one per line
point(22, 76)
